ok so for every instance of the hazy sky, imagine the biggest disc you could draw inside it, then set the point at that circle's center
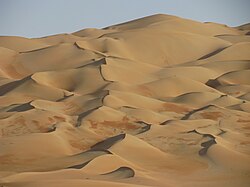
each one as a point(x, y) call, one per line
point(36, 18)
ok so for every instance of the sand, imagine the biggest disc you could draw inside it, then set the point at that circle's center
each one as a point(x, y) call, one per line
point(158, 101)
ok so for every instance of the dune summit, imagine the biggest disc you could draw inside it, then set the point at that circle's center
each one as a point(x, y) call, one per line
point(158, 101)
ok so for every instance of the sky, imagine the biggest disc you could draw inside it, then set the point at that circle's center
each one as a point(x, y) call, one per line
point(37, 18)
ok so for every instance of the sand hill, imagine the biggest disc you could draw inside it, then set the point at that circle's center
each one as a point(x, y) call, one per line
point(158, 101)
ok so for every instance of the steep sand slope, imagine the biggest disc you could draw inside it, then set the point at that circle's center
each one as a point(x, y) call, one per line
point(158, 101)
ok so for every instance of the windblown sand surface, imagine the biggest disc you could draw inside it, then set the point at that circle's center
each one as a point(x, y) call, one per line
point(158, 101)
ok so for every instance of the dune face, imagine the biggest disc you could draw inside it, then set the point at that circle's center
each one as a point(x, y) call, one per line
point(158, 101)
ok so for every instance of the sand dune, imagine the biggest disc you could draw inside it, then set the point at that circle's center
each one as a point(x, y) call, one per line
point(157, 101)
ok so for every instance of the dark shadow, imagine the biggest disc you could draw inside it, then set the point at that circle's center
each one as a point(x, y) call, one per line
point(65, 97)
point(194, 111)
point(213, 83)
point(212, 53)
point(122, 172)
point(166, 122)
point(206, 146)
point(93, 63)
point(79, 166)
point(146, 126)
point(84, 114)
point(107, 143)
point(22, 108)
point(12, 85)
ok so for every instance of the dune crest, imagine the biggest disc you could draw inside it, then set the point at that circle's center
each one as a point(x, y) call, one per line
point(157, 101)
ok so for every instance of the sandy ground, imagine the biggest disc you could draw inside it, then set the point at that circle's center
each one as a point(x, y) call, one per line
point(158, 101)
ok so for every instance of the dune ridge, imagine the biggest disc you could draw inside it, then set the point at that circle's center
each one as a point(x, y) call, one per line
point(157, 101)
